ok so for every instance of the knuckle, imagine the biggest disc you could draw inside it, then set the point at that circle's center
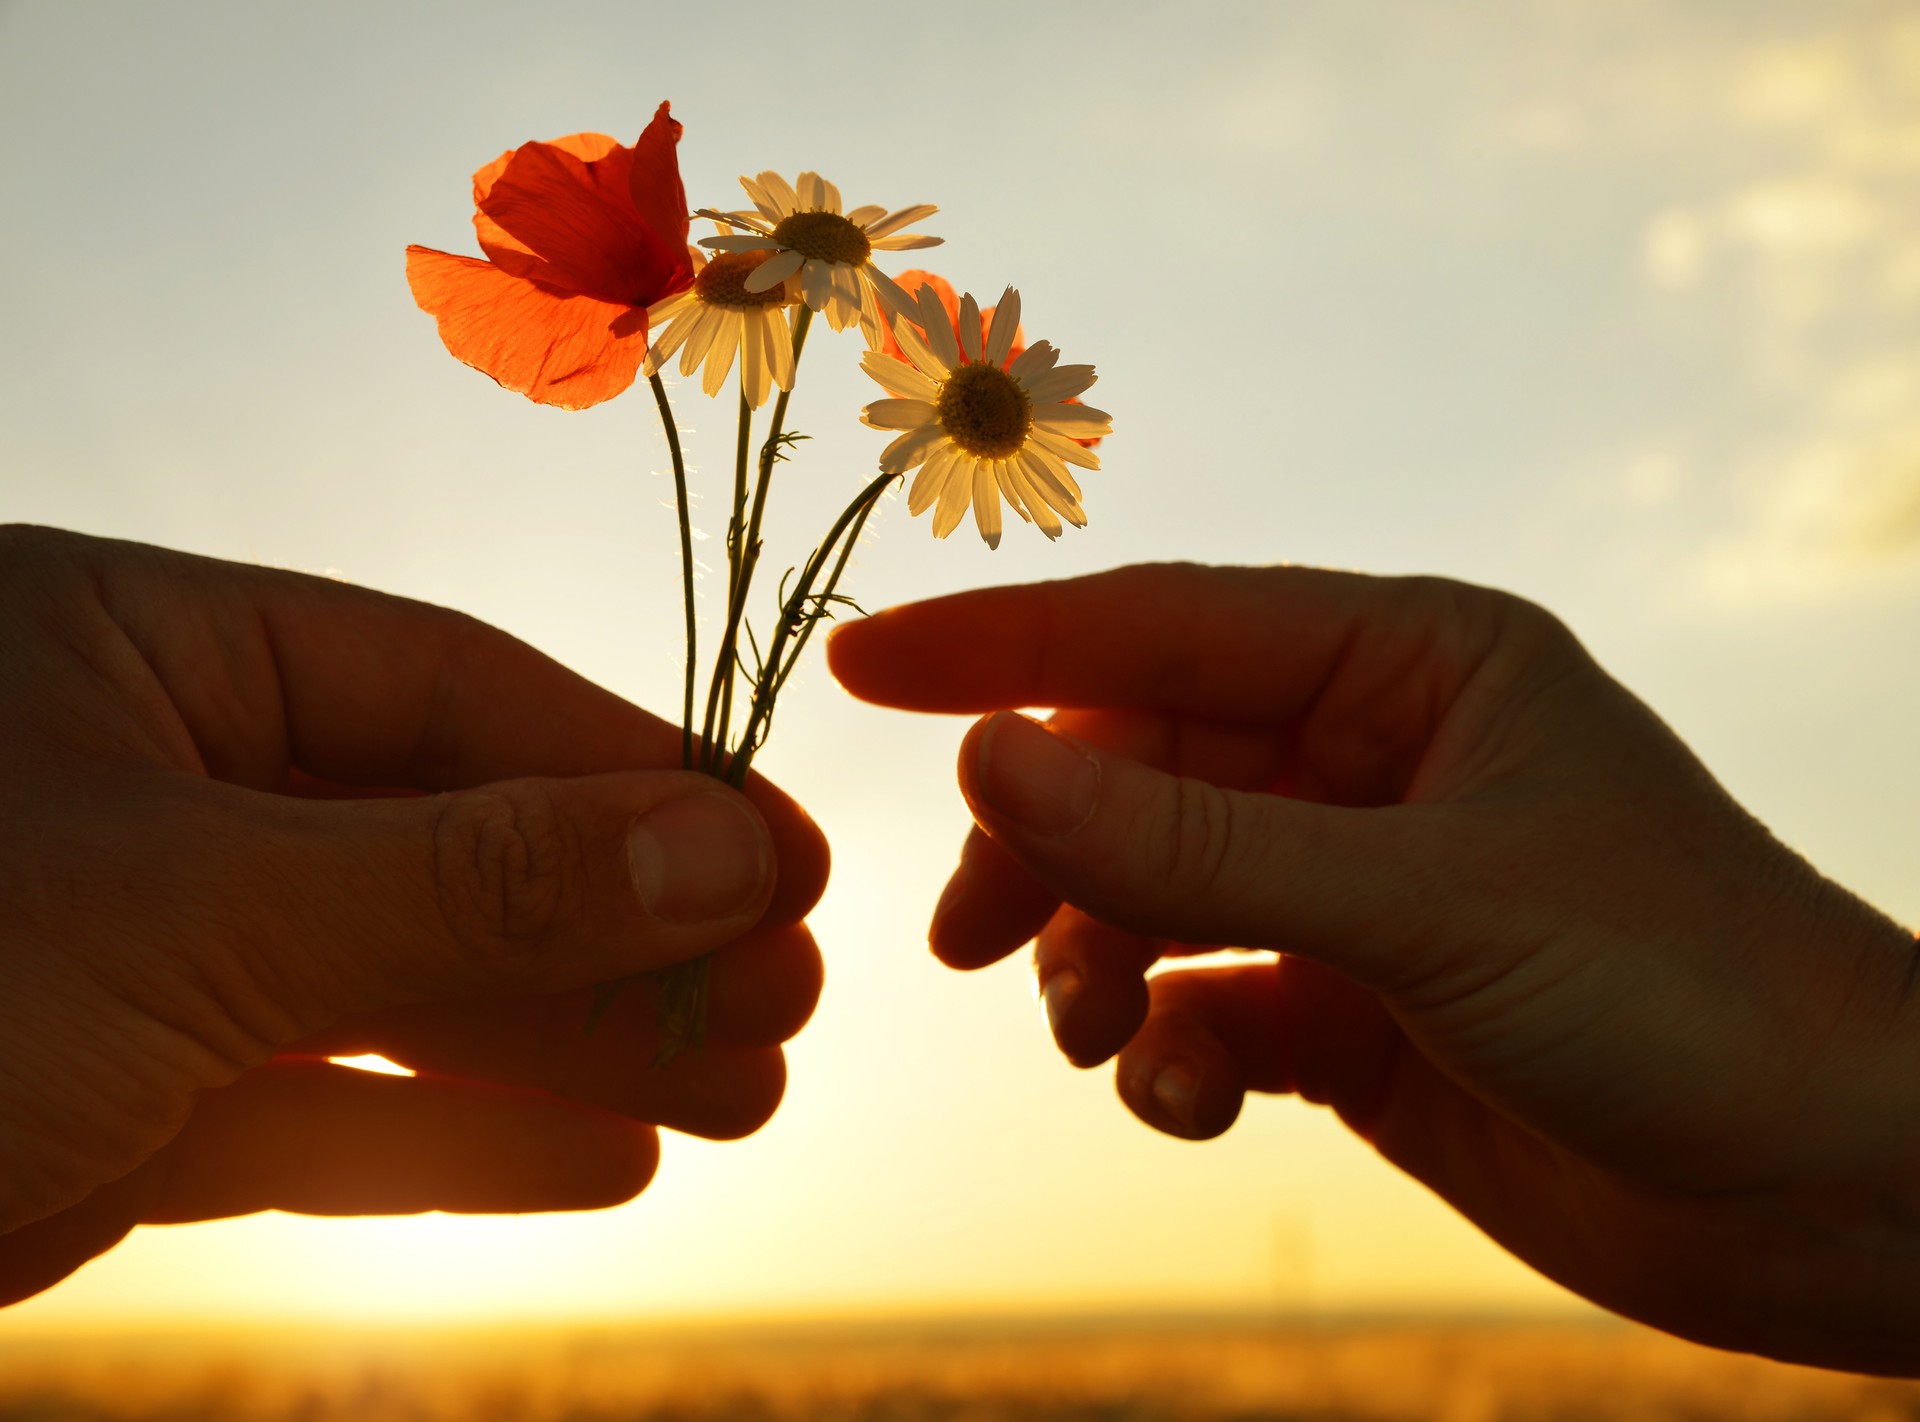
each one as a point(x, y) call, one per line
point(1194, 848)
point(506, 873)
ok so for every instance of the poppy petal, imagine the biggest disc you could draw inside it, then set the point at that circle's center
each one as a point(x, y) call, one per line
point(553, 346)
point(578, 217)
point(495, 240)
point(653, 179)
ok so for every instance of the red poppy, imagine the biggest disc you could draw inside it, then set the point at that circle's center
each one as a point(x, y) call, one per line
point(581, 235)
point(911, 282)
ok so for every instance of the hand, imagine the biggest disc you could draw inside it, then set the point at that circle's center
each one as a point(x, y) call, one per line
point(1529, 949)
point(199, 906)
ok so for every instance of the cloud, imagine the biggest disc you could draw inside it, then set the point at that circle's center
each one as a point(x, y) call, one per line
point(1813, 248)
point(1831, 517)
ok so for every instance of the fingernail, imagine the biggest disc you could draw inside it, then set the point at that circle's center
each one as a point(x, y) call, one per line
point(1035, 778)
point(1177, 1089)
point(1057, 992)
point(949, 896)
point(696, 859)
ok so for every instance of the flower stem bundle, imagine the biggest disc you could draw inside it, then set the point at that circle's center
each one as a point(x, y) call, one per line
point(590, 281)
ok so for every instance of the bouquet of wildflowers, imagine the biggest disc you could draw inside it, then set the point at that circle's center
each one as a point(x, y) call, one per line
point(589, 280)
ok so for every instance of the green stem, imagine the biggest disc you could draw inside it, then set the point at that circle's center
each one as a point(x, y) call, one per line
point(719, 704)
point(797, 622)
point(826, 595)
point(686, 562)
point(720, 690)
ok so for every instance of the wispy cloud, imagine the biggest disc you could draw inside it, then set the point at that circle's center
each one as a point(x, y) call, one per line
point(1818, 249)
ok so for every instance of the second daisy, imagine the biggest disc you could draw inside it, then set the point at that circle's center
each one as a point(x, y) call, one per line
point(980, 427)
point(719, 315)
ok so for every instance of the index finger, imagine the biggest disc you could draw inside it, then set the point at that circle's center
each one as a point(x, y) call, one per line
point(1169, 636)
point(1356, 671)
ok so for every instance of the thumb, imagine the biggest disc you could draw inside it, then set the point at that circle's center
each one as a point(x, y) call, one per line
point(537, 885)
point(1178, 858)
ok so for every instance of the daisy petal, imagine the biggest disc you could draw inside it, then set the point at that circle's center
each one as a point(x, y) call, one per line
point(1006, 321)
point(668, 307)
point(939, 328)
point(907, 242)
point(773, 270)
point(1063, 382)
point(893, 222)
point(871, 321)
point(780, 194)
point(699, 340)
point(1056, 467)
point(861, 216)
point(1003, 475)
point(726, 342)
point(816, 284)
point(986, 503)
point(726, 222)
point(1064, 448)
point(813, 192)
point(830, 196)
point(762, 199)
point(899, 414)
point(671, 336)
point(779, 340)
point(927, 483)
point(1033, 362)
point(924, 358)
point(893, 297)
point(845, 308)
point(910, 449)
point(1043, 515)
point(899, 378)
point(755, 378)
point(1042, 481)
point(1079, 421)
point(970, 326)
point(955, 495)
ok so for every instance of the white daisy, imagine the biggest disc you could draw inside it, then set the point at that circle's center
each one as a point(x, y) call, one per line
point(982, 428)
point(830, 252)
point(722, 313)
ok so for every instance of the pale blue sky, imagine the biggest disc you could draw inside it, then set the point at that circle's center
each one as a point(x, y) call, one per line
point(1614, 304)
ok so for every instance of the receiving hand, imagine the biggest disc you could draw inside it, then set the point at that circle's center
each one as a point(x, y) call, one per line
point(252, 819)
point(1526, 945)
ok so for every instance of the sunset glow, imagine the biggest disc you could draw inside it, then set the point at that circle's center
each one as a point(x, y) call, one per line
point(1615, 306)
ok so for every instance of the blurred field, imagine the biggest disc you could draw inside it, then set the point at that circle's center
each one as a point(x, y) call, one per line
point(1140, 1371)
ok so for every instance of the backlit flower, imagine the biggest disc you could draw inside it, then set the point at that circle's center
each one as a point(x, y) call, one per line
point(831, 252)
point(980, 425)
point(582, 235)
point(718, 317)
point(912, 283)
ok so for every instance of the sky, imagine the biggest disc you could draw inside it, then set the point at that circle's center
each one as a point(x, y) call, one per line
point(1611, 303)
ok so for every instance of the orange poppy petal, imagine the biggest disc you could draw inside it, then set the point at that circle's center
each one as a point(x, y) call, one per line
point(495, 240)
point(555, 347)
point(653, 179)
point(578, 217)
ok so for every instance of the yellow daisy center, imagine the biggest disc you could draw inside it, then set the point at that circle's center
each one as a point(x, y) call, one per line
point(985, 411)
point(723, 282)
point(823, 236)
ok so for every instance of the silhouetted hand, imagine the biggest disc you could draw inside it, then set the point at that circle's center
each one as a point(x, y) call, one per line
point(196, 908)
point(1530, 949)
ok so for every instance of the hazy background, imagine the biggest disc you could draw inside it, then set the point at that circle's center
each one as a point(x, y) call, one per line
point(1614, 304)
